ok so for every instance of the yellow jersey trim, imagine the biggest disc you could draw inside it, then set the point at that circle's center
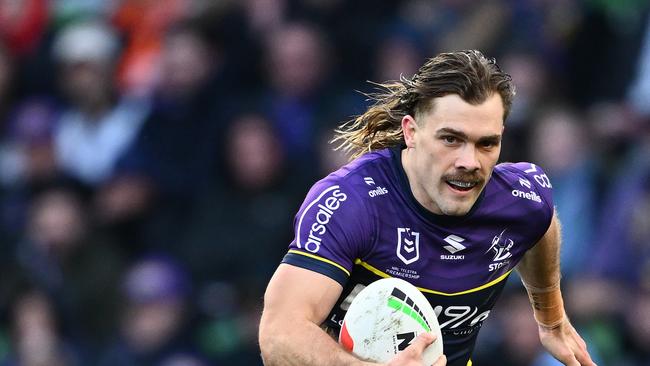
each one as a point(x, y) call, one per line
point(469, 363)
point(489, 284)
point(320, 259)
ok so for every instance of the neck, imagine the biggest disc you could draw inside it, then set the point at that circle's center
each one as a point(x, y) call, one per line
point(96, 110)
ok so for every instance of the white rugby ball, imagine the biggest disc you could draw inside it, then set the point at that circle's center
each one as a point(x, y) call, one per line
point(385, 317)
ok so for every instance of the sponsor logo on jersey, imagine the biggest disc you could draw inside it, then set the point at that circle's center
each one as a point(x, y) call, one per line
point(402, 272)
point(454, 242)
point(452, 317)
point(408, 245)
point(369, 181)
point(379, 191)
point(454, 246)
point(527, 195)
point(501, 249)
point(320, 211)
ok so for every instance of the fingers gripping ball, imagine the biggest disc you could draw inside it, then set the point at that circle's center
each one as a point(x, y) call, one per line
point(384, 319)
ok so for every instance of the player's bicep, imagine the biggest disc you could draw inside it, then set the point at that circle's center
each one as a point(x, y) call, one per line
point(542, 261)
point(296, 293)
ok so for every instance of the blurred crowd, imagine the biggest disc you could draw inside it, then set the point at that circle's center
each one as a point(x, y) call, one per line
point(153, 154)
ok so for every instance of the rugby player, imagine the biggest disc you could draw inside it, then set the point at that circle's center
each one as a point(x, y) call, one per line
point(423, 200)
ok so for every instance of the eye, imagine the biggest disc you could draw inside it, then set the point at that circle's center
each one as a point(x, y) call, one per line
point(488, 144)
point(449, 139)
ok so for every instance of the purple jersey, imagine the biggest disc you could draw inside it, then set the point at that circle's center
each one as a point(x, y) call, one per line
point(362, 223)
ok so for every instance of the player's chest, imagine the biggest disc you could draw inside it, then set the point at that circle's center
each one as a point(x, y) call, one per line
point(406, 246)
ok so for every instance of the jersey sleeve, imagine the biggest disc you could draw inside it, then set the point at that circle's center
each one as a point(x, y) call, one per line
point(332, 229)
point(533, 178)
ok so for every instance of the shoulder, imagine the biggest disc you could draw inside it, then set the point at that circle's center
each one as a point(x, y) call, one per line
point(357, 176)
point(343, 198)
point(369, 163)
point(528, 185)
point(525, 175)
point(336, 222)
point(521, 195)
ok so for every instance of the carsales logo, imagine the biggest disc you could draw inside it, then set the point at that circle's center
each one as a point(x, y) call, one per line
point(319, 212)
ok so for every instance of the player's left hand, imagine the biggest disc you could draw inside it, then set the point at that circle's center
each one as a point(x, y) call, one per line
point(566, 345)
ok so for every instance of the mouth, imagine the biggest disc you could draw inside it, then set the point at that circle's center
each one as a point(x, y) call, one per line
point(462, 185)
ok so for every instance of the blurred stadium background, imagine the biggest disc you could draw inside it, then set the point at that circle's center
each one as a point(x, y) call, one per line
point(153, 154)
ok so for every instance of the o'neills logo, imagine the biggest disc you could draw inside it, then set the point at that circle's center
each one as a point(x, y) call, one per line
point(320, 211)
point(377, 192)
point(527, 195)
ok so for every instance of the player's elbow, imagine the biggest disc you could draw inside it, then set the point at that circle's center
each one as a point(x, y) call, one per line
point(266, 344)
point(269, 338)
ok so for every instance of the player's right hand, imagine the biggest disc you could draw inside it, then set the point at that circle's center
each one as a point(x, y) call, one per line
point(412, 355)
point(566, 345)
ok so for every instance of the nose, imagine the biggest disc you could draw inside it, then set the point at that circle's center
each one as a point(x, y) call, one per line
point(468, 159)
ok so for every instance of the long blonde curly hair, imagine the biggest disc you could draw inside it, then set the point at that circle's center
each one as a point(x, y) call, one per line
point(467, 73)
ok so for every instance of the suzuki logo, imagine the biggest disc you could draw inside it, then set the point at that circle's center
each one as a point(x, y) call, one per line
point(408, 245)
point(454, 242)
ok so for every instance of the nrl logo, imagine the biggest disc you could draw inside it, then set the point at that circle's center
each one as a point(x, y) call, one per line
point(408, 245)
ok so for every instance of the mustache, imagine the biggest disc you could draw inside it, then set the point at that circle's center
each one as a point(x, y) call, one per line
point(464, 177)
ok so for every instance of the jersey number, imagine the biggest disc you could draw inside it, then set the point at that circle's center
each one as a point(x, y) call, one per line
point(541, 179)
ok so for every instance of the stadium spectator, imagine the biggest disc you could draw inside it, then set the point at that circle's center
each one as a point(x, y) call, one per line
point(78, 267)
point(37, 338)
point(174, 157)
point(155, 315)
point(639, 89)
point(238, 224)
point(6, 81)
point(559, 141)
point(637, 323)
point(22, 25)
point(99, 125)
point(530, 75)
point(397, 55)
point(623, 225)
point(144, 25)
point(300, 100)
point(511, 339)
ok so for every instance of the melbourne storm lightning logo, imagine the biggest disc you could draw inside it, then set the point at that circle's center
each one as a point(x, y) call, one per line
point(501, 249)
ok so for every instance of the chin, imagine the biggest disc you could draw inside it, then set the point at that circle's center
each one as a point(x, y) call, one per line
point(456, 209)
point(455, 212)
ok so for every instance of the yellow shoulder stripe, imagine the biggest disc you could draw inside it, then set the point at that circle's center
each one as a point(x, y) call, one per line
point(382, 274)
point(321, 259)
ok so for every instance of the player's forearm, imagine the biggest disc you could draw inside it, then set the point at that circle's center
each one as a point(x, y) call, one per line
point(540, 273)
point(302, 344)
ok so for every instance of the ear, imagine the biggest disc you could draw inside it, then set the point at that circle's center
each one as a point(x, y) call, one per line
point(409, 128)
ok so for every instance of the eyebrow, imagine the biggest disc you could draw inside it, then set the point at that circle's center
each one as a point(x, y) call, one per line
point(460, 134)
